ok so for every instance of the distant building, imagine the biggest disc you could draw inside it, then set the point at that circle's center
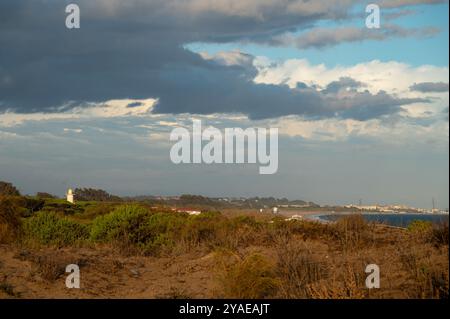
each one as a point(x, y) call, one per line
point(275, 210)
point(69, 196)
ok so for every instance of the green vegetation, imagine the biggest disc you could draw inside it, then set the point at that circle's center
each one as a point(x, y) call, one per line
point(259, 256)
point(420, 226)
point(8, 189)
point(92, 194)
point(48, 228)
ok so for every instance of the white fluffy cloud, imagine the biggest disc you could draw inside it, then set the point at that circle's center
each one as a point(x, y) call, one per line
point(108, 109)
point(420, 121)
point(392, 77)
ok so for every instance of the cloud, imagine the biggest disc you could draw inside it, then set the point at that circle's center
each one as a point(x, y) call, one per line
point(398, 14)
point(136, 51)
point(107, 109)
point(425, 87)
point(404, 3)
point(74, 130)
point(327, 37)
point(344, 83)
point(392, 77)
point(397, 133)
point(350, 84)
point(342, 97)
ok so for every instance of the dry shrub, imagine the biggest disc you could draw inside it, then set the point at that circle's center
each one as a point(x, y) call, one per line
point(348, 286)
point(427, 232)
point(8, 289)
point(353, 232)
point(428, 271)
point(249, 277)
point(175, 293)
point(309, 229)
point(241, 231)
point(297, 267)
point(439, 235)
point(50, 269)
point(201, 230)
point(213, 230)
point(10, 223)
point(49, 266)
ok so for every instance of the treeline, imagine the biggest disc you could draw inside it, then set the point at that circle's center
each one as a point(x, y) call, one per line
point(100, 195)
point(81, 194)
point(92, 194)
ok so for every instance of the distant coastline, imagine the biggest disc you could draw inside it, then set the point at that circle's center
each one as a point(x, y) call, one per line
point(396, 219)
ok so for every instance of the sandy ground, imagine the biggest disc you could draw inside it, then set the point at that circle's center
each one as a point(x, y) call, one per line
point(104, 274)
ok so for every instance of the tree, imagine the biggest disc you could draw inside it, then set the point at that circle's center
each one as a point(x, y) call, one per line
point(91, 194)
point(8, 189)
point(44, 195)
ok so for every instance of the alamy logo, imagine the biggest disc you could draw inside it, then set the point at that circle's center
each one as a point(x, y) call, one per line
point(230, 147)
point(373, 19)
point(373, 279)
point(73, 280)
point(73, 17)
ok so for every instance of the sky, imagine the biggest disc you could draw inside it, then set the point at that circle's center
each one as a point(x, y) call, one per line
point(362, 113)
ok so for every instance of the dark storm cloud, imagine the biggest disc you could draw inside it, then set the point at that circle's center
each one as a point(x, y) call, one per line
point(343, 83)
point(427, 87)
point(134, 49)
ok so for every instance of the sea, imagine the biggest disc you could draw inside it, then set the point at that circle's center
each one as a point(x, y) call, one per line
point(398, 220)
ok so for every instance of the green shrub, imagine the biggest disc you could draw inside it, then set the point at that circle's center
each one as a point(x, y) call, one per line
point(420, 226)
point(98, 209)
point(425, 231)
point(135, 225)
point(121, 224)
point(159, 231)
point(61, 206)
point(48, 228)
point(420, 231)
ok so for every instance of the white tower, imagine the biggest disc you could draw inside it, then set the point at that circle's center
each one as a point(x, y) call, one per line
point(70, 196)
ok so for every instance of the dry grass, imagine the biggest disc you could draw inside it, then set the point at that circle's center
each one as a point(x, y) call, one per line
point(298, 267)
point(10, 222)
point(353, 232)
point(256, 256)
point(349, 286)
point(48, 265)
point(9, 290)
point(427, 270)
point(249, 277)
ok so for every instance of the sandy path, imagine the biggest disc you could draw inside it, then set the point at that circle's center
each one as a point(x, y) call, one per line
point(104, 274)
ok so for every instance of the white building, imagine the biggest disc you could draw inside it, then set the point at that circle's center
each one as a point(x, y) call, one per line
point(69, 196)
